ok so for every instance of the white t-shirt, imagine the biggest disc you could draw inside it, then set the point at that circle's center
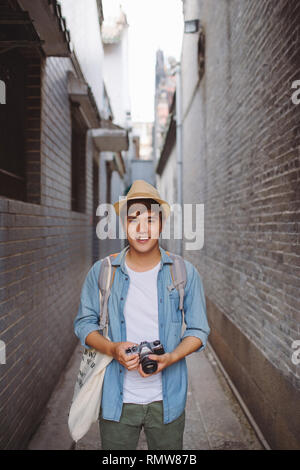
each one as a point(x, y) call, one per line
point(141, 317)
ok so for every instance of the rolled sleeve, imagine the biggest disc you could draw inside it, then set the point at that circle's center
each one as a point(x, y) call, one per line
point(195, 307)
point(87, 319)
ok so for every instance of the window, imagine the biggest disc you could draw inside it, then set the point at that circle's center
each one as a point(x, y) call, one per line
point(12, 126)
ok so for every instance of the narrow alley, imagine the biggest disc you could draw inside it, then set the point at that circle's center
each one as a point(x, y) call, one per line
point(193, 105)
point(214, 417)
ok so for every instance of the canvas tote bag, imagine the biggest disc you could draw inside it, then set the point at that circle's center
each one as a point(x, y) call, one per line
point(85, 406)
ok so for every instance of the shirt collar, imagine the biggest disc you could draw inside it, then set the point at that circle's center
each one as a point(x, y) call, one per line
point(119, 260)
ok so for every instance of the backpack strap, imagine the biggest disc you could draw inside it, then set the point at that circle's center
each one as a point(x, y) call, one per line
point(105, 282)
point(179, 276)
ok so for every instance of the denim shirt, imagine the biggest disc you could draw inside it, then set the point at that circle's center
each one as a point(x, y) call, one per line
point(174, 377)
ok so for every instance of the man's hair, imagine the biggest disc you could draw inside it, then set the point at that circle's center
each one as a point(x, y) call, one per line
point(156, 207)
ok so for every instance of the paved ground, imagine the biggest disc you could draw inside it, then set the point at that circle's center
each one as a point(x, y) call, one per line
point(214, 418)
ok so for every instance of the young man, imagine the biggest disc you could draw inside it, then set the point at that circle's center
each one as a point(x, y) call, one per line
point(142, 308)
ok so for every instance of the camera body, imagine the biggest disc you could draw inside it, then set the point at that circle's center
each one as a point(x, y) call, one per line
point(144, 349)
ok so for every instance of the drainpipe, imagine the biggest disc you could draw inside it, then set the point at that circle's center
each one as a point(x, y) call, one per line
point(179, 149)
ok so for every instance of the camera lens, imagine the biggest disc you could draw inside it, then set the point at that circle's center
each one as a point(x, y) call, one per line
point(148, 365)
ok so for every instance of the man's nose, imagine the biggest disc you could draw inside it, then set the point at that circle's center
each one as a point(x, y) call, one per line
point(143, 226)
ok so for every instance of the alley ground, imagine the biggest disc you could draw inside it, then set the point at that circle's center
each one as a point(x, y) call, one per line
point(214, 417)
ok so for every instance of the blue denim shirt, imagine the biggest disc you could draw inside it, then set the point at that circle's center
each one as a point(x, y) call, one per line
point(174, 377)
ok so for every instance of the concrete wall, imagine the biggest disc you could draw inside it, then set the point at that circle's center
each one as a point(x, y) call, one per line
point(84, 27)
point(116, 77)
point(241, 159)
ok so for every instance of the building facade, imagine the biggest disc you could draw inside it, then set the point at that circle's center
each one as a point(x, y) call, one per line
point(241, 139)
point(51, 62)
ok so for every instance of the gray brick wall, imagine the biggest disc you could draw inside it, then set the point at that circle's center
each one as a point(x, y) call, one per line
point(45, 252)
point(241, 159)
point(56, 134)
point(246, 170)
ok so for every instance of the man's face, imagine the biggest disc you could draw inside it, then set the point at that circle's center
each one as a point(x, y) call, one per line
point(142, 227)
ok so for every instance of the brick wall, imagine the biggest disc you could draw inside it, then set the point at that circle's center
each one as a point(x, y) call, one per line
point(241, 159)
point(45, 252)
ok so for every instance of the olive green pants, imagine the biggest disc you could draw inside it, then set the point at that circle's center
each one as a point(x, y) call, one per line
point(124, 435)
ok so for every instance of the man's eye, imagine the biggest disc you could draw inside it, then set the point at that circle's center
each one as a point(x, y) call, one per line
point(135, 220)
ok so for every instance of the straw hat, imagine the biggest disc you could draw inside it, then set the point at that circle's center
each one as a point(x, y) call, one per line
point(140, 189)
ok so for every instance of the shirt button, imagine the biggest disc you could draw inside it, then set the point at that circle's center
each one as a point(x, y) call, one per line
point(121, 393)
point(126, 278)
point(160, 300)
point(122, 321)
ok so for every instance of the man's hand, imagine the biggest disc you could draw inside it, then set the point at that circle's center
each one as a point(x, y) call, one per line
point(130, 361)
point(185, 347)
point(163, 360)
point(116, 350)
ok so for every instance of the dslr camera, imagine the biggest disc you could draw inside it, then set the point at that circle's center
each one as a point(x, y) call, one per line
point(144, 349)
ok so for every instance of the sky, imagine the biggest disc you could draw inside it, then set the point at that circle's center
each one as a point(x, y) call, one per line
point(153, 24)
